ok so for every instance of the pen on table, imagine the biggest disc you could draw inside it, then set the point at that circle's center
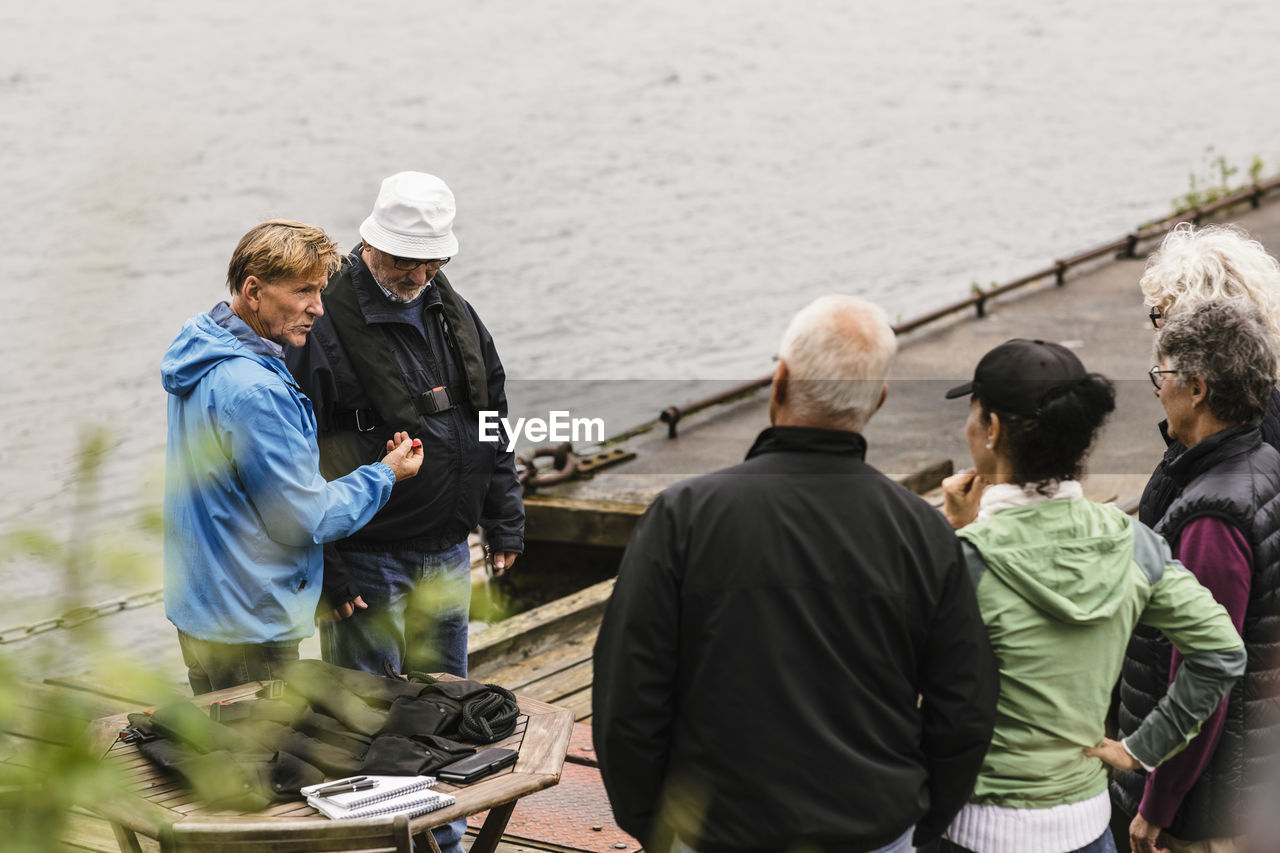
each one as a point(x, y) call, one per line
point(346, 787)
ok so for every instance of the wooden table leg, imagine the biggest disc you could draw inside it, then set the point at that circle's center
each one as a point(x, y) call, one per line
point(494, 825)
point(126, 838)
point(427, 838)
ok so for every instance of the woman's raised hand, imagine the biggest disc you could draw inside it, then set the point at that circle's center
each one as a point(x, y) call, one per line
point(961, 493)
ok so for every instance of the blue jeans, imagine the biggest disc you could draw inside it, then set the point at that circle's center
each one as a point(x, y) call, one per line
point(416, 621)
point(417, 615)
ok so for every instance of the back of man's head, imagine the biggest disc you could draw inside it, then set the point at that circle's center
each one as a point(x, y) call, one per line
point(836, 351)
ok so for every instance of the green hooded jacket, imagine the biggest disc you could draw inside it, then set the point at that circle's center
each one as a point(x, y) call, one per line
point(1061, 585)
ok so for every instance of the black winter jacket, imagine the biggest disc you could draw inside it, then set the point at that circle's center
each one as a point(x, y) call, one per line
point(1233, 475)
point(463, 481)
point(1161, 490)
point(761, 659)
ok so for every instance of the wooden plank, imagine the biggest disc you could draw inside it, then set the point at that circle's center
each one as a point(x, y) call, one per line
point(580, 522)
point(296, 808)
point(170, 798)
point(134, 813)
point(511, 741)
point(154, 790)
point(17, 750)
point(81, 831)
point(134, 763)
point(41, 726)
point(547, 740)
point(137, 703)
point(102, 736)
point(565, 682)
point(579, 703)
point(67, 702)
point(517, 674)
point(89, 686)
point(533, 631)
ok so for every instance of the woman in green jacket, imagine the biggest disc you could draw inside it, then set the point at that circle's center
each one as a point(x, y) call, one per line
point(1061, 583)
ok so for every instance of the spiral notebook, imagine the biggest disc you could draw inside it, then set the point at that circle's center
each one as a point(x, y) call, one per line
point(411, 795)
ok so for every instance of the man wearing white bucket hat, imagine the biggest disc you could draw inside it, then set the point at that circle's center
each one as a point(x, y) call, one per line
point(398, 349)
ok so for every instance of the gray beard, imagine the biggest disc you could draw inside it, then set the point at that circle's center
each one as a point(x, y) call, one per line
point(401, 300)
point(396, 298)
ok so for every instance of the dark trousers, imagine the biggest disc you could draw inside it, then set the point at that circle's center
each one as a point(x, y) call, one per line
point(213, 666)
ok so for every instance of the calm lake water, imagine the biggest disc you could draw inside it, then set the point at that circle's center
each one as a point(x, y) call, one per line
point(647, 190)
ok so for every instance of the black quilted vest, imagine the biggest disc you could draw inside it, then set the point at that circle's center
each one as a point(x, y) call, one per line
point(1161, 490)
point(1233, 475)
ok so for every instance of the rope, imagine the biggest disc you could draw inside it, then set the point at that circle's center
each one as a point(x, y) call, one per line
point(491, 717)
point(486, 718)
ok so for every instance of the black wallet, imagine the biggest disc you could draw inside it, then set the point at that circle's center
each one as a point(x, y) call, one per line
point(477, 766)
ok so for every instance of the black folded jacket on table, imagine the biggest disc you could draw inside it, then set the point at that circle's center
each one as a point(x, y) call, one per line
point(329, 722)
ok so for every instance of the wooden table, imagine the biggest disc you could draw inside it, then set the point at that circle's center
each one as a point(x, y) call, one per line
point(156, 799)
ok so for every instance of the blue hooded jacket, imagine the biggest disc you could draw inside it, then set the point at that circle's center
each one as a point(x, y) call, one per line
point(246, 508)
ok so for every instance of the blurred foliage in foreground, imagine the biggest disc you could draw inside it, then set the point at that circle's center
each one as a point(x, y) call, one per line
point(46, 767)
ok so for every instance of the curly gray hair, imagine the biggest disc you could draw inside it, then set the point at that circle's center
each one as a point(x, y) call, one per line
point(1213, 262)
point(1227, 344)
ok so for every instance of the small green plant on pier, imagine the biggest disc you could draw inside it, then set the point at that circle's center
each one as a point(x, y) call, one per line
point(1212, 181)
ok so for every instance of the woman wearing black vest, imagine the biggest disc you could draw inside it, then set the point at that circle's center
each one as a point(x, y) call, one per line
point(1216, 372)
point(1192, 266)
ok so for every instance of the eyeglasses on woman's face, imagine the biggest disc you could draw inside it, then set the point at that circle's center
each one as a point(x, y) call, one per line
point(1155, 374)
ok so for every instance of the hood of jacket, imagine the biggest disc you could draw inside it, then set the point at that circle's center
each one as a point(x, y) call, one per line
point(1067, 558)
point(208, 339)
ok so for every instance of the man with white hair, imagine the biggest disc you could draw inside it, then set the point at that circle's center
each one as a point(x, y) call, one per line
point(793, 655)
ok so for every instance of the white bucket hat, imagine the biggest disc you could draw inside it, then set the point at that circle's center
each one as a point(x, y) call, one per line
point(412, 218)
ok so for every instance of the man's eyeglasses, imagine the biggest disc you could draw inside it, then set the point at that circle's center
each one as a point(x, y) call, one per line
point(1157, 317)
point(411, 264)
point(1155, 373)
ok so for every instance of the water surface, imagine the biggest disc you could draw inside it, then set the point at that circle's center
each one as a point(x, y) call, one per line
point(647, 190)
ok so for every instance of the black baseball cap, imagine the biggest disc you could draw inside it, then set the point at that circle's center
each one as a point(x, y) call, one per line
point(1015, 376)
